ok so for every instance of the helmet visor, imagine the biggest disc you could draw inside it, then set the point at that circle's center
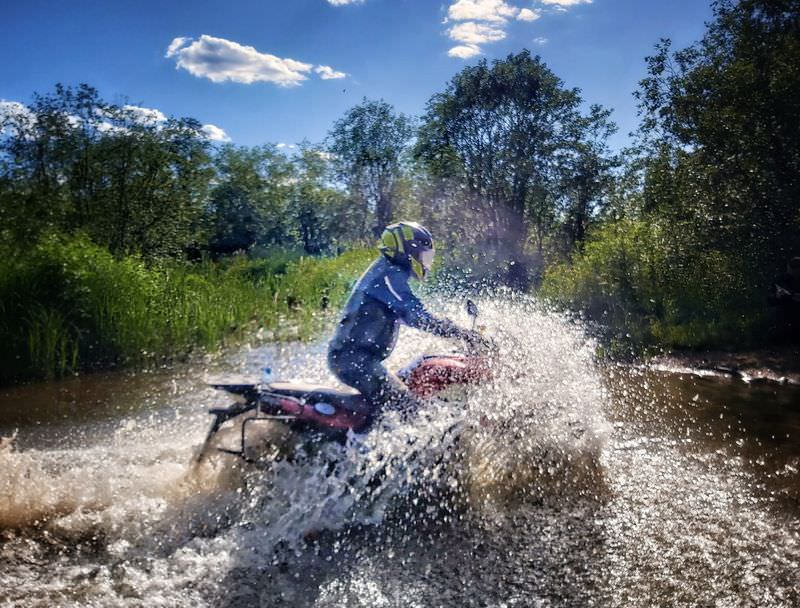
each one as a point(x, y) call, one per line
point(426, 259)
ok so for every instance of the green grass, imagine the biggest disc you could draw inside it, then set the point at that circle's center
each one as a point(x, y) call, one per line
point(67, 305)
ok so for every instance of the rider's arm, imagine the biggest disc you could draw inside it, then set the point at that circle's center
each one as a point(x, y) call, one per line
point(418, 317)
point(395, 293)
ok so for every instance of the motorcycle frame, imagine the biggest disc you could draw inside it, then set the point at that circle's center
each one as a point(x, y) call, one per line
point(223, 415)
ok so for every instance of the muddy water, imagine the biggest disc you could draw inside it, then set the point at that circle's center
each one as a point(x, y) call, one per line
point(586, 485)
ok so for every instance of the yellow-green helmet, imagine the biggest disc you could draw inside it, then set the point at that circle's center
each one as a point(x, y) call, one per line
point(410, 245)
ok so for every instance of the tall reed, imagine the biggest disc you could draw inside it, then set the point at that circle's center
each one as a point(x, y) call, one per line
point(68, 305)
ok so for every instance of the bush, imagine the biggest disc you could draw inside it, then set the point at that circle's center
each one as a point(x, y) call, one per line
point(646, 285)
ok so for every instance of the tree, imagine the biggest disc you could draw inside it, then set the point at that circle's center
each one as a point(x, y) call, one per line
point(707, 210)
point(149, 185)
point(248, 205)
point(368, 145)
point(505, 132)
point(722, 138)
point(71, 162)
point(322, 214)
point(586, 175)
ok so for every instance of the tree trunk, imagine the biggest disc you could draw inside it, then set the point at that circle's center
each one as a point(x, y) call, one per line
point(383, 210)
point(516, 238)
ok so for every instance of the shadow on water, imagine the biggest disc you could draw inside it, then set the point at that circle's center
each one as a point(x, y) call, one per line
point(523, 555)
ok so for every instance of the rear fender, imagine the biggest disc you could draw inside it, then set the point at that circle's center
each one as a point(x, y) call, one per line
point(249, 392)
point(321, 414)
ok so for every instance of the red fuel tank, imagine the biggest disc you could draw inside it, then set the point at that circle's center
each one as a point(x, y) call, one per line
point(436, 373)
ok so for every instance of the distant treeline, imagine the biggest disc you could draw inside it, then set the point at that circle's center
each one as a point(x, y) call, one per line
point(505, 166)
point(673, 241)
point(71, 163)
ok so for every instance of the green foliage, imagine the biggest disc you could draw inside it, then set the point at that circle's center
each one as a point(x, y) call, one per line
point(325, 219)
point(722, 135)
point(514, 149)
point(249, 204)
point(510, 170)
point(69, 305)
point(686, 256)
point(264, 199)
point(613, 279)
point(139, 183)
point(634, 281)
point(131, 195)
point(73, 163)
point(368, 144)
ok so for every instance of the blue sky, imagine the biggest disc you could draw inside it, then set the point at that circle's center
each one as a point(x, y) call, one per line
point(281, 71)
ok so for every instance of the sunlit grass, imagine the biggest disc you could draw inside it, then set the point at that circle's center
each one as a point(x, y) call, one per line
point(69, 305)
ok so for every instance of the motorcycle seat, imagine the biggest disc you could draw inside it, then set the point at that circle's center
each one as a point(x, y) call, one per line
point(346, 398)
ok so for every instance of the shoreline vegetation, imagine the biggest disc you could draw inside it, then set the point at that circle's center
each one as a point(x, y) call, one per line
point(705, 215)
point(127, 236)
point(68, 306)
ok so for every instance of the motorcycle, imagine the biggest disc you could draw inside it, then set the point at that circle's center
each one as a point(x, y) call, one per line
point(327, 414)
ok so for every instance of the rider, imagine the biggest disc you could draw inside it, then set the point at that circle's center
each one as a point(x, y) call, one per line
point(381, 300)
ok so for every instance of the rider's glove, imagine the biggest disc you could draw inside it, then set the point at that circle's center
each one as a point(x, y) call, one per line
point(477, 341)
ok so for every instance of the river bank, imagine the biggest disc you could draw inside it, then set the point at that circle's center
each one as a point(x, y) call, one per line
point(779, 365)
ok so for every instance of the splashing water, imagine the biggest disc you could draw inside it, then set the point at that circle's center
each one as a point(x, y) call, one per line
point(556, 483)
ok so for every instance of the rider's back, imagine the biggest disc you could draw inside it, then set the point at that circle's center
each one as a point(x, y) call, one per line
point(369, 324)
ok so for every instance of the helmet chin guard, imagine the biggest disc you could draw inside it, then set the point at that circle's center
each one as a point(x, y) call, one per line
point(426, 257)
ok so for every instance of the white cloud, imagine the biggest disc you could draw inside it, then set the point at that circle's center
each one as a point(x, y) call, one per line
point(17, 114)
point(541, 40)
point(464, 51)
point(145, 115)
point(527, 14)
point(282, 145)
point(106, 127)
point(13, 108)
point(326, 72)
point(14, 113)
point(16, 117)
point(323, 154)
point(344, 2)
point(219, 60)
point(482, 21)
point(473, 34)
point(214, 133)
point(176, 44)
point(497, 11)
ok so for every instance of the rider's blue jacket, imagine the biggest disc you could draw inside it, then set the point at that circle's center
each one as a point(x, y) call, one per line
point(381, 300)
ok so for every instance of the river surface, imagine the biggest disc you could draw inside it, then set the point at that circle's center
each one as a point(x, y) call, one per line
point(563, 482)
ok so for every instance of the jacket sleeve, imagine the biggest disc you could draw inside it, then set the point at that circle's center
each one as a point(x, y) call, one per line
point(394, 292)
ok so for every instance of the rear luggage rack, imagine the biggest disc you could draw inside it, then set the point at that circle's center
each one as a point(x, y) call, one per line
point(242, 453)
point(223, 415)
